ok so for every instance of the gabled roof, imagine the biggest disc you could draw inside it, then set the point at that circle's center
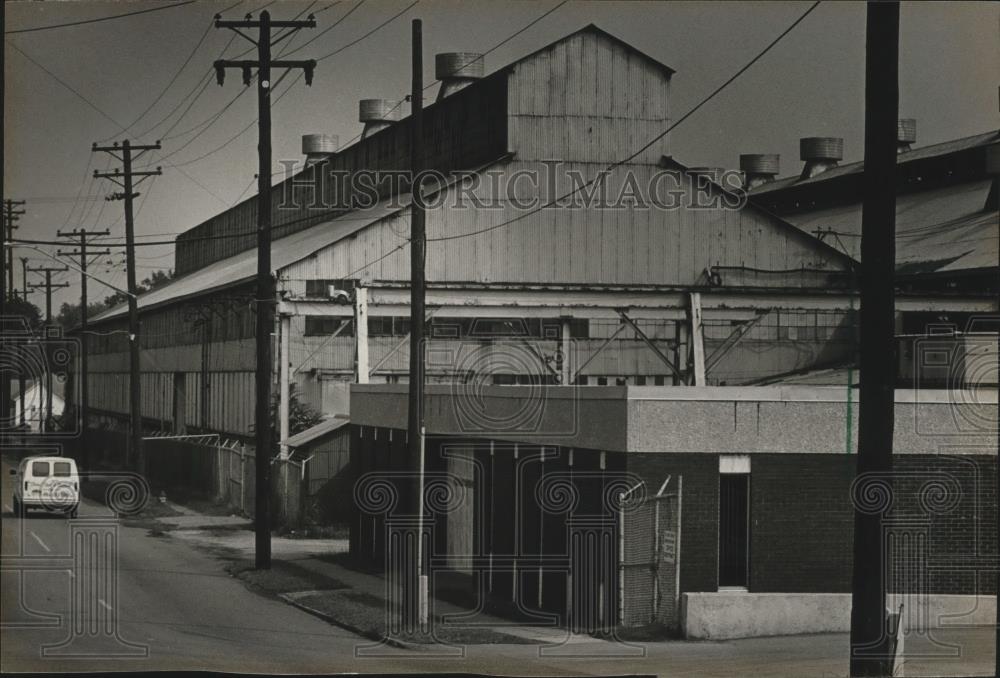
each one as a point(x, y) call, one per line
point(932, 151)
point(242, 267)
point(596, 30)
point(944, 230)
point(670, 162)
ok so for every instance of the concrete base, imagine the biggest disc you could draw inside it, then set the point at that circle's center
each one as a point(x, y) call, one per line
point(737, 614)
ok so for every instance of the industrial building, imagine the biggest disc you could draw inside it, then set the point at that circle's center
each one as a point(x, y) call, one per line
point(719, 512)
point(681, 284)
point(585, 323)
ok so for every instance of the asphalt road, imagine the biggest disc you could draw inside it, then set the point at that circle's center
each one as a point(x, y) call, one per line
point(143, 603)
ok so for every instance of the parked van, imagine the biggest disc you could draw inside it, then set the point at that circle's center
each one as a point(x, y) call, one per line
point(48, 483)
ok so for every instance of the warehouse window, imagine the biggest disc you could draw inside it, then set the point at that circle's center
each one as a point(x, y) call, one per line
point(325, 325)
point(734, 521)
point(388, 326)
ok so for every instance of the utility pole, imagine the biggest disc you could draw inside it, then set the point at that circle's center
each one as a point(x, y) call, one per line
point(11, 216)
point(413, 583)
point(81, 251)
point(20, 371)
point(266, 290)
point(48, 285)
point(125, 178)
point(878, 368)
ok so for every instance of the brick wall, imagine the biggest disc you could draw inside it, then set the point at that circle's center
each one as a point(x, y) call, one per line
point(802, 523)
point(700, 514)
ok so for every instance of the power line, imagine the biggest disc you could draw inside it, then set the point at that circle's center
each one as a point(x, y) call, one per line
point(67, 86)
point(486, 53)
point(645, 147)
point(170, 84)
point(371, 32)
point(325, 30)
point(99, 19)
point(293, 83)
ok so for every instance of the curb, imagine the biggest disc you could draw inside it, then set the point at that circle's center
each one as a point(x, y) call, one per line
point(366, 633)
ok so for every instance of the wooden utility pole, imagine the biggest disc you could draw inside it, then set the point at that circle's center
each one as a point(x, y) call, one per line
point(878, 367)
point(81, 251)
point(48, 285)
point(413, 583)
point(266, 290)
point(126, 178)
point(11, 215)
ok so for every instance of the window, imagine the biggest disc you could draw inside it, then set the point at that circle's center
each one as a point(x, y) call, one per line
point(62, 469)
point(324, 325)
point(734, 522)
point(40, 469)
point(388, 326)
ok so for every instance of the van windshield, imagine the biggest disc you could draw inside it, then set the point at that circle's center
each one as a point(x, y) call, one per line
point(62, 469)
point(40, 469)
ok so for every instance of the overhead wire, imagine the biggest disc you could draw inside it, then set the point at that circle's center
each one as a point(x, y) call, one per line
point(112, 17)
point(646, 146)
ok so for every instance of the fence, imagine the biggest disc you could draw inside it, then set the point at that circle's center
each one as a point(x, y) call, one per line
point(649, 530)
point(234, 477)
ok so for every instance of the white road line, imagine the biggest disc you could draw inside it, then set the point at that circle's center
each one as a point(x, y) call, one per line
point(104, 605)
point(39, 540)
point(8, 508)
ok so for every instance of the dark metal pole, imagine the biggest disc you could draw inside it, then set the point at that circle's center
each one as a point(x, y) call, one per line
point(134, 384)
point(265, 302)
point(418, 243)
point(84, 458)
point(878, 375)
point(48, 367)
point(20, 369)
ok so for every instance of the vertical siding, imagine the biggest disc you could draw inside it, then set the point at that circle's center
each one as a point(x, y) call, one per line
point(644, 246)
point(587, 98)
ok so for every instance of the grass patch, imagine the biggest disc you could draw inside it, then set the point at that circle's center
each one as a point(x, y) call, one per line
point(283, 577)
point(315, 532)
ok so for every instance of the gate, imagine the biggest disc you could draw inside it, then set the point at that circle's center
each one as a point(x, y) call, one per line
point(649, 553)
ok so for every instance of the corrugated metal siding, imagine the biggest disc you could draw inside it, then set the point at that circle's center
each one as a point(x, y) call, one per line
point(577, 246)
point(462, 131)
point(587, 98)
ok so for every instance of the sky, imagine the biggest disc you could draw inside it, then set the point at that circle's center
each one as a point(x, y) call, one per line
point(810, 84)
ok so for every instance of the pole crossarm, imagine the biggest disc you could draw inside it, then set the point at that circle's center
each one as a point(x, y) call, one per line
point(42, 286)
point(265, 291)
point(308, 22)
point(307, 65)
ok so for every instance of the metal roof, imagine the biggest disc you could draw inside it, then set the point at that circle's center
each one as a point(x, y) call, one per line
point(242, 267)
point(931, 151)
point(319, 430)
point(942, 230)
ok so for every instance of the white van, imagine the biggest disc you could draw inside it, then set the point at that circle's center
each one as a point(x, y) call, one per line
point(48, 483)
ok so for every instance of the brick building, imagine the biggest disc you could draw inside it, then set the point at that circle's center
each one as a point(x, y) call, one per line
point(767, 495)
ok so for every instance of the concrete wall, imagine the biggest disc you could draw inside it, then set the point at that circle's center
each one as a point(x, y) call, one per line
point(586, 417)
point(783, 419)
point(720, 616)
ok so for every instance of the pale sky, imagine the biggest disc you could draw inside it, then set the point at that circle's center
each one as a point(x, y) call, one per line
point(811, 84)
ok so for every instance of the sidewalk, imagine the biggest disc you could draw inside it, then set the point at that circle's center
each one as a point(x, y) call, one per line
point(316, 576)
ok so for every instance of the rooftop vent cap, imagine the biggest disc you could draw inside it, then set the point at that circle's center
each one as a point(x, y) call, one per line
point(377, 114)
point(457, 70)
point(318, 146)
point(759, 168)
point(820, 154)
point(906, 134)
